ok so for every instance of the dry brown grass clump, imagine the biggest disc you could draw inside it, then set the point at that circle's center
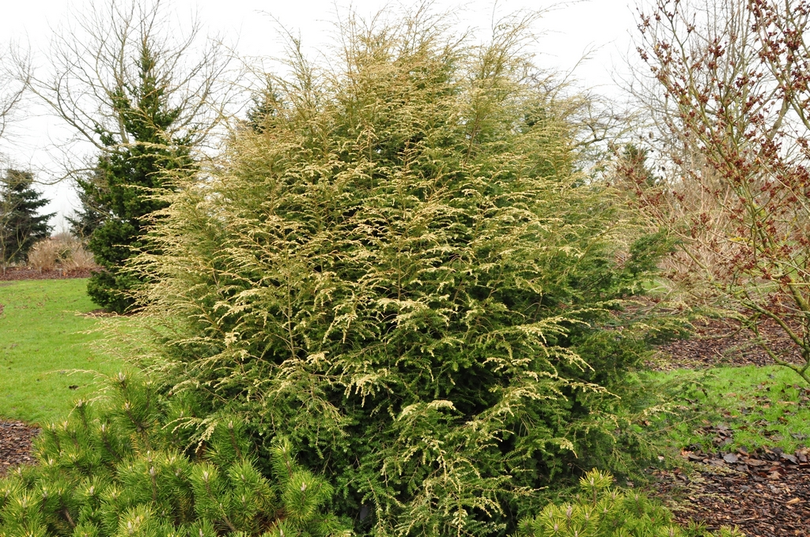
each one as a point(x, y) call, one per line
point(61, 251)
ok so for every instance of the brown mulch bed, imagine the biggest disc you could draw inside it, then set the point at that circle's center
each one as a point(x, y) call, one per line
point(723, 342)
point(24, 273)
point(15, 444)
point(764, 494)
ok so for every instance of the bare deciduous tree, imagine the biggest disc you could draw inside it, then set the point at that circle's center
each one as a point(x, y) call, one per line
point(732, 98)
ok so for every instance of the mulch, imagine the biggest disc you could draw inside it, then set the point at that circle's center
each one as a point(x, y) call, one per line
point(764, 493)
point(718, 342)
point(16, 445)
point(24, 273)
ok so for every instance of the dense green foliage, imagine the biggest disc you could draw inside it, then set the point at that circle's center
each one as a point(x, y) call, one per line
point(120, 468)
point(20, 224)
point(122, 190)
point(124, 465)
point(399, 269)
point(598, 511)
point(92, 211)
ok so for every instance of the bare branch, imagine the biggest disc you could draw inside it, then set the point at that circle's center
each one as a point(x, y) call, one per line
point(93, 57)
point(728, 89)
point(14, 73)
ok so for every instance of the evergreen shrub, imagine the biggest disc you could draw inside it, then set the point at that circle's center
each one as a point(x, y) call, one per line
point(120, 468)
point(599, 511)
point(397, 266)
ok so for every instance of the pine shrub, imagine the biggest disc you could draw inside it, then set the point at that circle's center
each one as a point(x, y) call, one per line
point(398, 267)
point(599, 511)
point(122, 468)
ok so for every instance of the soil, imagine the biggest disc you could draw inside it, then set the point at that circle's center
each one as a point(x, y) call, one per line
point(24, 273)
point(15, 445)
point(764, 494)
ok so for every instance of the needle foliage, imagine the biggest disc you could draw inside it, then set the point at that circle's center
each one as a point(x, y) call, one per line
point(118, 467)
point(397, 266)
point(135, 164)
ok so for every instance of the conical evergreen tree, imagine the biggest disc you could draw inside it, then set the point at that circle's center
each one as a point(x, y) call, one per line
point(22, 226)
point(265, 108)
point(137, 164)
point(632, 165)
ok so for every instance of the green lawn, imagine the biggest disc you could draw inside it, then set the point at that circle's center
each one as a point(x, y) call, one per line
point(43, 344)
point(728, 408)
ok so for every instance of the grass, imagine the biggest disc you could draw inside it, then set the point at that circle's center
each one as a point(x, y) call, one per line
point(44, 341)
point(729, 408)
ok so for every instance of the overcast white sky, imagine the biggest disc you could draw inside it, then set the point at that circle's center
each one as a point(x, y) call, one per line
point(601, 27)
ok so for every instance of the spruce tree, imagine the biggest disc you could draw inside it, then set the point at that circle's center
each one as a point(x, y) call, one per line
point(22, 226)
point(91, 213)
point(137, 164)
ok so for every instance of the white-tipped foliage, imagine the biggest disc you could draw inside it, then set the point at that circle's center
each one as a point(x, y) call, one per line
point(397, 266)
